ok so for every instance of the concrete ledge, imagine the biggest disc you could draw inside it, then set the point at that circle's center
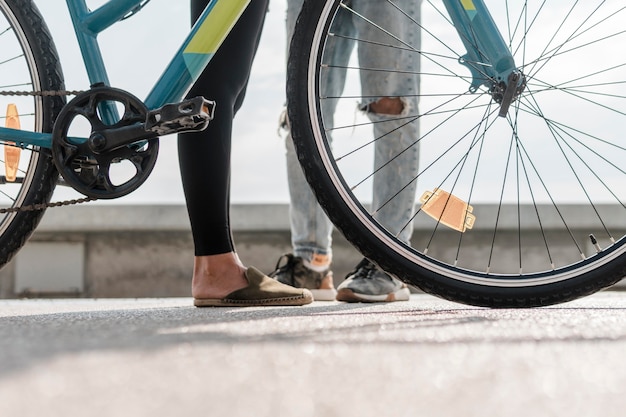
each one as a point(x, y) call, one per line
point(244, 217)
point(275, 217)
point(147, 250)
point(142, 250)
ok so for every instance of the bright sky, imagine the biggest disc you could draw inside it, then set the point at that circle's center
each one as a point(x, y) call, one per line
point(137, 50)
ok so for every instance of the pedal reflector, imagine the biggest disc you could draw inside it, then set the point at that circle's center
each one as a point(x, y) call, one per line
point(11, 153)
point(448, 210)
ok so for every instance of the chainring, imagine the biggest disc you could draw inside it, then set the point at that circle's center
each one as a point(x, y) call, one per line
point(102, 175)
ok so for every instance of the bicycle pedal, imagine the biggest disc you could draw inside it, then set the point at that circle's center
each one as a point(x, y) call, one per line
point(187, 116)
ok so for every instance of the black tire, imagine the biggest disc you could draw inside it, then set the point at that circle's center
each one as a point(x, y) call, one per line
point(37, 69)
point(586, 106)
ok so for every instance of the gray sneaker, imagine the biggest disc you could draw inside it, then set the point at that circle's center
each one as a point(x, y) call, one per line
point(369, 284)
point(296, 274)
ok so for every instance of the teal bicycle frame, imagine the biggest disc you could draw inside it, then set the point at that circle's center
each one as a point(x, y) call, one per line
point(488, 57)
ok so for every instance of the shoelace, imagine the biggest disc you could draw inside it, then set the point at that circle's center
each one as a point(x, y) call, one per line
point(278, 268)
point(364, 269)
point(289, 266)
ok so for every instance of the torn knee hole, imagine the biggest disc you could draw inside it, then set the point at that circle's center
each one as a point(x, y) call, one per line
point(386, 105)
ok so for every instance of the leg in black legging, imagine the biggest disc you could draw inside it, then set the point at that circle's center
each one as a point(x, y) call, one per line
point(205, 156)
point(219, 277)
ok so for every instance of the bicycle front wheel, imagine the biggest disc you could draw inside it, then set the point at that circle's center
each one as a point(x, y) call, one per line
point(28, 64)
point(516, 211)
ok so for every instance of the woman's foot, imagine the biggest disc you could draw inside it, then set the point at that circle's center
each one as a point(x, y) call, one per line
point(216, 276)
point(222, 280)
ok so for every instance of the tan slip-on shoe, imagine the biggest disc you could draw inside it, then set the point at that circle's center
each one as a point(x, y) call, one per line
point(261, 291)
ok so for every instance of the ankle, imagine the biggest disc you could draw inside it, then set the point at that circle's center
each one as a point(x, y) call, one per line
point(217, 275)
point(318, 262)
point(327, 282)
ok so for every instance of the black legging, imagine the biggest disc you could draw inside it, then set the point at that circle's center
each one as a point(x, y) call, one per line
point(204, 157)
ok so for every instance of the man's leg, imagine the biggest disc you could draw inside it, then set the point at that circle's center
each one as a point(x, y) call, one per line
point(397, 151)
point(311, 230)
point(396, 134)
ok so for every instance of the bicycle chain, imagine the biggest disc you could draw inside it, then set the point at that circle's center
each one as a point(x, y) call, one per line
point(49, 93)
point(43, 206)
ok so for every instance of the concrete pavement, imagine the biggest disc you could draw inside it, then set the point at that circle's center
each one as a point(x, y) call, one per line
point(425, 357)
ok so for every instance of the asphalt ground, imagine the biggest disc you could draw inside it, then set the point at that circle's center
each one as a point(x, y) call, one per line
point(424, 357)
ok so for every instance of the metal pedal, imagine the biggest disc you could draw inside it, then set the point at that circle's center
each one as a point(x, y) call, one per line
point(187, 116)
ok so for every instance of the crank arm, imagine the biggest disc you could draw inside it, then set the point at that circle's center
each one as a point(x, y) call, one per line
point(189, 115)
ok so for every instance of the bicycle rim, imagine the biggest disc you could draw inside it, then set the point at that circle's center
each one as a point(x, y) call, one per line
point(28, 63)
point(534, 200)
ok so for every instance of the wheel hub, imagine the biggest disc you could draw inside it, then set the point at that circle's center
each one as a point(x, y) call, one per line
point(505, 93)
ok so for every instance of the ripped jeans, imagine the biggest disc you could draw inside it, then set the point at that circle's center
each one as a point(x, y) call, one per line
point(311, 230)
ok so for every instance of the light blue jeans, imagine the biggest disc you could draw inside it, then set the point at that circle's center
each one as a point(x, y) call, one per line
point(311, 230)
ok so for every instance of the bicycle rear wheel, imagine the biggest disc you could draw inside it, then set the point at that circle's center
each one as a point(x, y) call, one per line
point(525, 210)
point(28, 62)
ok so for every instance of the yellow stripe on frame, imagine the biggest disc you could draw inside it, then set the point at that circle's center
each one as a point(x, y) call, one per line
point(468, 4)
point(215, 27)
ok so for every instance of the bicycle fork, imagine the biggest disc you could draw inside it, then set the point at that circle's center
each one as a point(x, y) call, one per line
point(488, 57)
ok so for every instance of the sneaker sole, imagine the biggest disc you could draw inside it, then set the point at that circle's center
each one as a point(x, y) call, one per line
point(349, 296)
point(324, 294)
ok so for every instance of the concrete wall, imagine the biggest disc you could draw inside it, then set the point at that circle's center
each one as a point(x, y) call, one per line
point(146, 251)
point(139, 251)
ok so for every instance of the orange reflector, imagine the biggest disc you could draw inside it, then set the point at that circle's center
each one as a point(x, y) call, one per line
point(11, 153)
point(448, 210)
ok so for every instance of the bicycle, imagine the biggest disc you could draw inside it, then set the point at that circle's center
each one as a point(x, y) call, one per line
point(498, 150)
